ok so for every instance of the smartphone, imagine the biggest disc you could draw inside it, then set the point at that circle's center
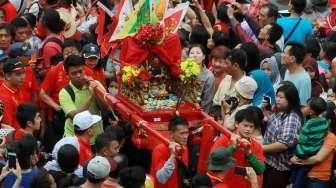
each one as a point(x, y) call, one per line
point(11, 160)
point(267, 99)
point(240, 171)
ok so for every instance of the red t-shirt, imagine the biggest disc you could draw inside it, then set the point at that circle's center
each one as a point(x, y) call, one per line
point(10, 11)
point(85, 152)
point(231, 179)
point(11, 99)
point(54, 81)
point(29, 86)
point(97, 74)
point(160, 155)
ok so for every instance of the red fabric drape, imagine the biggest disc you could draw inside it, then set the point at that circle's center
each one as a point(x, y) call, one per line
point(169, 52)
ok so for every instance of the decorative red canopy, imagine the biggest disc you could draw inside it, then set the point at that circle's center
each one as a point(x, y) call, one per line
point(169, 52)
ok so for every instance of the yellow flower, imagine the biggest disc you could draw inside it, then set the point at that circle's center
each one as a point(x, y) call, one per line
point(190, 70)
point(129, 72)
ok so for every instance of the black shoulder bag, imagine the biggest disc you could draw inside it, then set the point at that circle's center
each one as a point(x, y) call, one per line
point(291, 33)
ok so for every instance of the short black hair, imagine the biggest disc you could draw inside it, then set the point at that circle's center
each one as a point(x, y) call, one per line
point(52, 20)
point(253, 56)
point(199, 35)
point(275, 33)
point(42, 180)
point(104, 140)
point(25, 148)
point(91, 178)
point(273, 10)
point(175, 121)
point(6, 27)
point(72, 43)
point(330, 51)
point(216, 112)
point(31, 18)
point(73, 61)
point(313, 46)
point(222, 13)
point(298, 5)
point(318, 105)
point(237, 56)
point(68, 158)
point(298, 51)
point(116, 132)
point(247, 114)
point(220, 38)
point(26, 112)
point(18, 22)
point(201, 179)
point(132, 177)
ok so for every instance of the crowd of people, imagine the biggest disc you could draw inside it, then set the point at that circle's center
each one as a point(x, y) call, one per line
point(268, 76)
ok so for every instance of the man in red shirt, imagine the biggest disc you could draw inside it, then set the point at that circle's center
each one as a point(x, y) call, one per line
point(166, 160)
point(20, 29)
point(10, 94)
point(22, 52)
point(29, 118)
point(252, 156)
point(84, 126)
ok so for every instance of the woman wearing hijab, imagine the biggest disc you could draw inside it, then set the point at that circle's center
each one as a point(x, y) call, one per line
point(270, 66)
point(312, 68)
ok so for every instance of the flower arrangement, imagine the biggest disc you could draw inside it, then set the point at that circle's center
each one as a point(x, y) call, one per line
point(129, 73)
point(149, 34)
point(190, 69)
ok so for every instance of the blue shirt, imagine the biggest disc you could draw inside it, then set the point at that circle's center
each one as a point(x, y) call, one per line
point(302, 83)
point(265, 87)
point(303, 30)
point(26, 179)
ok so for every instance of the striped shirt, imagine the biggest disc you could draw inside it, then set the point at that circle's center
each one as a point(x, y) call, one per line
point(311, 137)
point(282, 128)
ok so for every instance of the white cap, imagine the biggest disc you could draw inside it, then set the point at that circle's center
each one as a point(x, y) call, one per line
point(85, 120)
point(246, 87)
point(98, 167)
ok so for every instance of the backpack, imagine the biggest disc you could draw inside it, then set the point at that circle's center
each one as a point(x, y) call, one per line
point(70, 91)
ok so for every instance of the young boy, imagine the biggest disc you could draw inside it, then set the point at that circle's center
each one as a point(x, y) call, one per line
point(246, 121)
point(311, 137)
point(29, 119)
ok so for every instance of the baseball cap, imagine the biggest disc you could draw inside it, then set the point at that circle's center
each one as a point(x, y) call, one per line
point(91, 50)
point(20, 49)
point(85, 120)
point(220, 159)
point(98, 167)
point(246, 87)
point(12, 65)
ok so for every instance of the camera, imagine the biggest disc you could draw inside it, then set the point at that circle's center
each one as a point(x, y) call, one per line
point(232, 101)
